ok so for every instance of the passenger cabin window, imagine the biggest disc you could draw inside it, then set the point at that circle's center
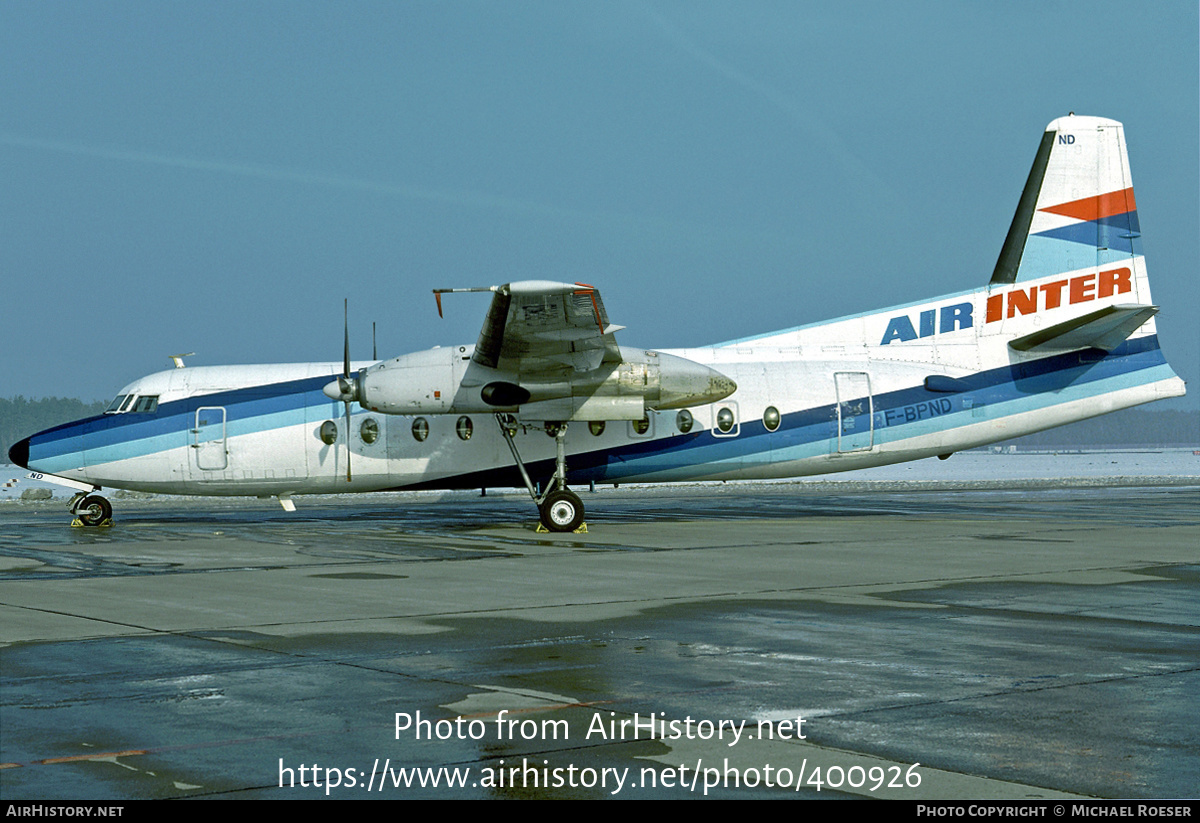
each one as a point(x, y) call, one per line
point(464, 428)
point(771, 418)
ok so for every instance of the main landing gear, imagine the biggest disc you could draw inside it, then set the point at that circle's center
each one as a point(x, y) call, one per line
point(560, 509)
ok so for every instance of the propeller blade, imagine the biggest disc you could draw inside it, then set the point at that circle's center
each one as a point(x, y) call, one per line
point(347, 441)
point(346, 350)
point(344, 384)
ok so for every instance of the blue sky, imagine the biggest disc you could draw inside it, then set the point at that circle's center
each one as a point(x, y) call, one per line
point(216, 176)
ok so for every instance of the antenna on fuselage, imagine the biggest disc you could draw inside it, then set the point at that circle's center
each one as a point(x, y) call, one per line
point(177, 359)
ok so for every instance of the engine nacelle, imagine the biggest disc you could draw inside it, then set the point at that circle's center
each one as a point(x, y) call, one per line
point(420, 383)
point(448, 381)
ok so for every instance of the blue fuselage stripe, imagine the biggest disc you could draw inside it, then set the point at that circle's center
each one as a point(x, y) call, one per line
point(897, 415)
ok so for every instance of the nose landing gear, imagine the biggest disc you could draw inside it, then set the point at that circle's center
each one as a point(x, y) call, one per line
point(91, 510)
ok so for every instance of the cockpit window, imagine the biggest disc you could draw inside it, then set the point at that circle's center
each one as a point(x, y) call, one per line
point(147, 403)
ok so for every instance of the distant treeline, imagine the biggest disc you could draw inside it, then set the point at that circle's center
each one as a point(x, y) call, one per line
point(20, 417)
point(1130, 428)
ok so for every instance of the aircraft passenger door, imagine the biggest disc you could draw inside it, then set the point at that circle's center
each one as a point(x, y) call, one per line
point(855, 414)
point(209, 439)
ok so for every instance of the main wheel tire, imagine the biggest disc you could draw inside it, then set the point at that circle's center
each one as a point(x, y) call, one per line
point(562, 511)
point(94, 510)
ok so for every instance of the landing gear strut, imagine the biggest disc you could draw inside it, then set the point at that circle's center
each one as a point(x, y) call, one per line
point(560, 508)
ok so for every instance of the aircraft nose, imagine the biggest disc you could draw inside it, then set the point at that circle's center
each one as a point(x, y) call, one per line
point(18, 453)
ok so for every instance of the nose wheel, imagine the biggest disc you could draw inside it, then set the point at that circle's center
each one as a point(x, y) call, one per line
point(93, 510)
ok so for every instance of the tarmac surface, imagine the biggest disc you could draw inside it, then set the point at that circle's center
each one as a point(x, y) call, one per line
point(916, 641)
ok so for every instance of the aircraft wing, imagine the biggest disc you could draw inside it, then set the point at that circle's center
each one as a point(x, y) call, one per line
point(542, 328)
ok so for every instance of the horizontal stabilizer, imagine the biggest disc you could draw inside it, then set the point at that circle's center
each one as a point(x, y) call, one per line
point(1104, 329)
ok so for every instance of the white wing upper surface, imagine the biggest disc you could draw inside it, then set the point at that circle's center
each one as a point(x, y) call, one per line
point(546, 329)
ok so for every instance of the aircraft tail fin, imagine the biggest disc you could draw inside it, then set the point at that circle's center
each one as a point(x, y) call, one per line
point(1077, 210)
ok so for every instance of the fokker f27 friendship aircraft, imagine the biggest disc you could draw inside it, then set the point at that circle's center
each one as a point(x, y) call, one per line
point(1063, 331)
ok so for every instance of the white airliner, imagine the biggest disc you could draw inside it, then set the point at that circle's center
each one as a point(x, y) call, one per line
point(1063, 331)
